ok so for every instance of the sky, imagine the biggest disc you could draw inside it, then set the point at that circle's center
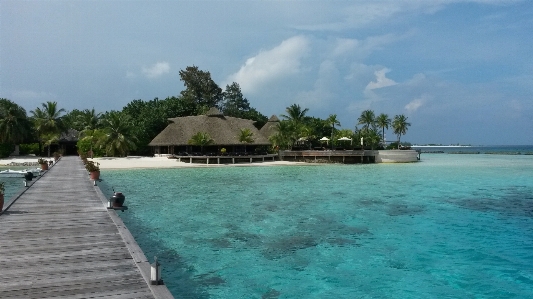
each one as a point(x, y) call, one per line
point(461, 71)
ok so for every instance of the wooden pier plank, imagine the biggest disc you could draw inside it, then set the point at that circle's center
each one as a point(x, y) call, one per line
point(59, 241)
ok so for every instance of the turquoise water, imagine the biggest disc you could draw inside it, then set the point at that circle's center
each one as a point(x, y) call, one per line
point(451, 226)
point(12, 185)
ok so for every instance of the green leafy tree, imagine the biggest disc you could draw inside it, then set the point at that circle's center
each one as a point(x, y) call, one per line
point(88, 142)
point(295, 113)
point(332, 120)
point(344, 133)
point(296, 119)
point(246, 137)
point(118, 139)
point(367, 119)
point(6, 149)
point(71, 120)
point(383, 121)
point(49, 139)
point(309, 134)
point(14, 123)
point(88, 120)
point(200, 91)
point(285, 136)
point(47, 121)
point(320, 127)
point(236, 105)
point(400, 126)
point(371, 137)
point(201, 139)
point(148, 118)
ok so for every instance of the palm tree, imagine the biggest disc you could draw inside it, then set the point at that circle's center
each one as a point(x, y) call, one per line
point(89, 120)
point(285, 136)
point(367, 119)
point(383, 121)
point(49, 139)
point(14, 124)
point(48, 119)
point(400, 126)
point(309, 133)
point(295, 113)
point(91, 137)
point(372, 138)
point(332, 120)
point(202, 139)
point(246, 136)
point(118, 138)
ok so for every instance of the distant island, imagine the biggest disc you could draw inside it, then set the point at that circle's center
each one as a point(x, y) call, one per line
point(441, 145)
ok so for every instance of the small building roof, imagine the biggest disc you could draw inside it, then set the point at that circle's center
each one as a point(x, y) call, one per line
point(224, 130)
point(271, 127)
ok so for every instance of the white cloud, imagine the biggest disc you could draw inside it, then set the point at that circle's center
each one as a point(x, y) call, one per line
point(344, 45)
point(322, 93)
point(415, 104)
point(381, 80)
point(270, 65)
point(156, 70)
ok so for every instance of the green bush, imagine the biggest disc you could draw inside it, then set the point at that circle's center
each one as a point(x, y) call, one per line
point(29, 149)
point(84, 146)
point(6, 150)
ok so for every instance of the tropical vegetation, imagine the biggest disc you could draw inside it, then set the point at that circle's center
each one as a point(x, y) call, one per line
point(202, 139)
point(245, 137)
point(128, 131)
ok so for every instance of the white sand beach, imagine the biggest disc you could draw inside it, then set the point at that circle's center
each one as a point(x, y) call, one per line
point(5, 162)
point(163, 162)
point(148, 162)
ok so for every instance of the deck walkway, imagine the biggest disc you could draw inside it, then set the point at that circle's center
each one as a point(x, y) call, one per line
point(59, 241)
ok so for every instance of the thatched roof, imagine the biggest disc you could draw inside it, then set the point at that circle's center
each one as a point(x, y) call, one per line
point(224, 130)
point(270, 128)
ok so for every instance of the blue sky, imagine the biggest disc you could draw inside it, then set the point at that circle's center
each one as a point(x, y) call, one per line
point(462, 71)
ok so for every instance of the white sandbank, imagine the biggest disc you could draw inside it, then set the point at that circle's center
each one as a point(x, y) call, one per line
point(149, 162)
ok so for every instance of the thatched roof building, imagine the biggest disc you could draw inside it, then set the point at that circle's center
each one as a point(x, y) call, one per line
point(224, 130)
point(271, 127)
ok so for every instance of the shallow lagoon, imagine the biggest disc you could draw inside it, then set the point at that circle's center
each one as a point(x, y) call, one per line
point(456, 226)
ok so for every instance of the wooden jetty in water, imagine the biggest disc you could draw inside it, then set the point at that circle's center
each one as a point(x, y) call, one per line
point(339, 156)
point(58, 240)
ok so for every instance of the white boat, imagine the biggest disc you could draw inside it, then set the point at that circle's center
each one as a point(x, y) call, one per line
point(19, 173)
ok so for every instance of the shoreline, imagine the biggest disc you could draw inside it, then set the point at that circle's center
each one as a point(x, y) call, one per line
point(138, 162)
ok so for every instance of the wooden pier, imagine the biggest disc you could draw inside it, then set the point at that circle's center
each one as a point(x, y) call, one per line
point(338, 156)
point(58, 240)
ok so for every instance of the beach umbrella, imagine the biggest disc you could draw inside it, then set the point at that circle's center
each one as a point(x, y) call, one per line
point(346, 139)
point(326, 139)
